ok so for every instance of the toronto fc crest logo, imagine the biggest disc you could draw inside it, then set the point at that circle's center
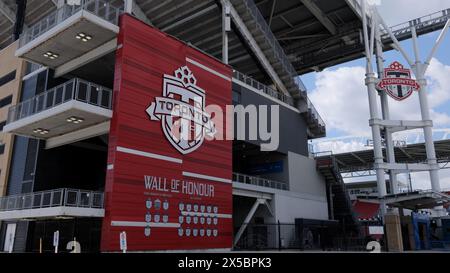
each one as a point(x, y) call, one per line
point(181, 111)
point(397, 82)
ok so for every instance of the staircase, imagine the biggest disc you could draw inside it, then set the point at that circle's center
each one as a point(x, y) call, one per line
point(272, 50)
point(341, 207)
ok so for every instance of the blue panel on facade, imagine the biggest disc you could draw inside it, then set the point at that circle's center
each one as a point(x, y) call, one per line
point(271, 167)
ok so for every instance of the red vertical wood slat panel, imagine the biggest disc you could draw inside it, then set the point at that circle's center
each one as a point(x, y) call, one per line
point(142, 60)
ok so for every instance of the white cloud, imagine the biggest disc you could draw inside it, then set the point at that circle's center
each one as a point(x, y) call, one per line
point(421, 181)
point(374, 2)
point(341, 98)
point(438, 75)
point(341, 146)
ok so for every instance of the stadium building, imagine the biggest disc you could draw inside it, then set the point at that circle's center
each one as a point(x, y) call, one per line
point(90, 149)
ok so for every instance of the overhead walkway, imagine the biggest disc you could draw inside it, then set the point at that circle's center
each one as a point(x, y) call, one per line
point(424, 25)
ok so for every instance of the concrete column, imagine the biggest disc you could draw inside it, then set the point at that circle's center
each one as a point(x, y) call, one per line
point(128, 5)
point(226, 27)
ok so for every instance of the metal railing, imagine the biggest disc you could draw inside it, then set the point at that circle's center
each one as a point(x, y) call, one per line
point(75, 89)
point(401, 29)
point(322, 154)
point(430, 20)
point(100, 8)
point(53, 198)
point(315, 113)
point(281, 56)
point(262, 87)
point(290, 236)
point(31, 67)
point(259, 181)
point(273, 42)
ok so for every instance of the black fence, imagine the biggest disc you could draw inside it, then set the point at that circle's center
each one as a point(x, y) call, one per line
point(289, 236)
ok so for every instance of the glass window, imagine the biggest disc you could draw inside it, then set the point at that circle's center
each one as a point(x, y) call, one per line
point(59, 95)
point(7, 78)
point(68, 94)
point(49, 100)
point(94, 95)
point(6, 101)
point(82, 91)
point(106, 99)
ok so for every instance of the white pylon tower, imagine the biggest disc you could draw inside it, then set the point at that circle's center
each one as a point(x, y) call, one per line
point(374, 51)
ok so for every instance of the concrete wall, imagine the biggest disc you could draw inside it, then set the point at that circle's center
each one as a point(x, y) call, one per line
point(307, 197)
point(303, 176)
point(289, 206)
point(9, 63)
point(293, 129)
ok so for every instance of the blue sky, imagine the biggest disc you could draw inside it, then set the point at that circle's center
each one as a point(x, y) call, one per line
point(426, 42)
point(340, 96)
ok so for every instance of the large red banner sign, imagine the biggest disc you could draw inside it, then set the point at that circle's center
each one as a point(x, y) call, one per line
point(165, 192)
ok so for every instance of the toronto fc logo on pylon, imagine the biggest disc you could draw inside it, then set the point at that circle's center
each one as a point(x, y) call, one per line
point(397, 82)
point(181, 111)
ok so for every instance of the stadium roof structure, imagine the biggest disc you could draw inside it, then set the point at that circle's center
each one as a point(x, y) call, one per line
point(271, 42)
point(313, 34)
point(417, 200)
point(366, 207)
point(359, 161)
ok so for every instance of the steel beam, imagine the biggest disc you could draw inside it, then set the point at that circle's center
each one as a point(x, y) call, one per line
point(274, 2)
point(7, 12)
point(358, 158)
point(256, 49)
point(58, 3)
point(247, 220)
point(186, 19)
point(320, 15)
